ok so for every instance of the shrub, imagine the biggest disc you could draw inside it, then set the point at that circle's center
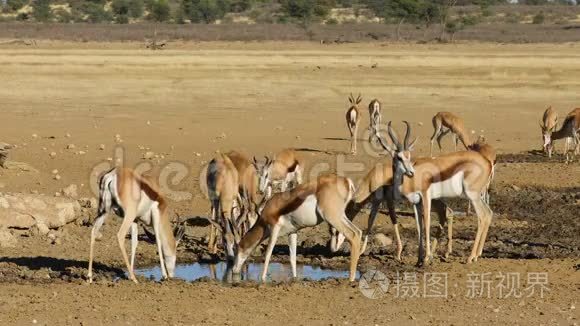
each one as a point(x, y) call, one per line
point(15, 5)
point(64, 16)
point(160, 11)
point(96, 13)
point(41, 10)
point(135, 8)
point(305, 11)
point(331, 21)
point(120, 11)
point(539, 18)
point(205, 11)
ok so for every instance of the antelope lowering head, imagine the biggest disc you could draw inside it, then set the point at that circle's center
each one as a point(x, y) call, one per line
point(263, 171)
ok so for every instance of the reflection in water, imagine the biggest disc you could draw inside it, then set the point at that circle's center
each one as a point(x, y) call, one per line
point(276, 272)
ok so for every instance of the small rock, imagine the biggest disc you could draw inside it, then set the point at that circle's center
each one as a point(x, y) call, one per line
point(70, 146)
point(516, 188)
point(7, 239)
point(71, 191)
point(52, 154)
point(148, 122)
point(496, 310)
point(102, 147)
point(381, 240)
point(34, 136)
point(55, 171)
point(197, 154)
point(57, 177)
point(44, 149)
point(41, 228)
point(67, 135)
point(81, 152)
point(420, 123)
point(57, 194)
point(148, 155)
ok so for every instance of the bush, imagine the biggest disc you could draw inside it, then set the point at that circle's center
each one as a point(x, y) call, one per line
point(120, 11)
point(160, 11)
point(331, 21)
point(539, 18)
point(240, 5)
point(96, 13)
point(41, 10)
point(64, 16)
point(306, 10)
point(135, 8)
point(205, 11)
point(15, 5)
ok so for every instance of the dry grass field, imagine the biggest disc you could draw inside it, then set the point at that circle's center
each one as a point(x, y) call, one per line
point(186, 103)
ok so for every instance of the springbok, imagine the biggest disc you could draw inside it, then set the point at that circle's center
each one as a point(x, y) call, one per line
point(482, 147)
point(373, 189)
point(286, 167)
point(548, 125)
point(135, 198)
point(444, 123)
point(307, 205)
point(451, 175)
point(248, 187)
point(374, 117)
point(570, 129)
point(223, 191)
point(352, 120)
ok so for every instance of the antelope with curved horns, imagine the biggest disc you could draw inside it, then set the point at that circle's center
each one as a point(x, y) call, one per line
point(286, 167)
point(374, 117)
point(248, 187)
point(352, 120)
point(223, 191)
point(373, 189)
point(570, 129)
point(447, 122)
point(548, 125)
point(452, 175)
point(135, 198)
point(307, 205)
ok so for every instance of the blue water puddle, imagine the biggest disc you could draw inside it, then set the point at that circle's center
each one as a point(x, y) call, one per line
point(276, 272)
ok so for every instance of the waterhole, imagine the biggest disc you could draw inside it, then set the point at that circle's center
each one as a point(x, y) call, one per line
point(277, 272)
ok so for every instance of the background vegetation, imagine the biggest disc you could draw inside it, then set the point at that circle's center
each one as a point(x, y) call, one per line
point(438, 20)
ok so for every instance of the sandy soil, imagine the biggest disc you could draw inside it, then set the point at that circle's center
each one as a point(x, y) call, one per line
point(186, 103)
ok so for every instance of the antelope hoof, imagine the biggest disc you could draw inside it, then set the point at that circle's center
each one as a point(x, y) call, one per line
point(471, 259)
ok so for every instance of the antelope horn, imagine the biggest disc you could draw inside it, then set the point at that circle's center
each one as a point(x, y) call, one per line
point(358, 98)
point(394, 137)
point(407, 134)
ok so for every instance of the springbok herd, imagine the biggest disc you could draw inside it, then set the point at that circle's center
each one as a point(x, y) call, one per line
point(243, 220)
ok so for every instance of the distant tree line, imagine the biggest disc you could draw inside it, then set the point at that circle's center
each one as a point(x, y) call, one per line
point(303, 12)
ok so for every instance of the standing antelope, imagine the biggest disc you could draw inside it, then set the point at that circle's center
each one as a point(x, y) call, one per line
point(548, 124)
point(352, 120)
point(248, 186)
point(448, 176)
point(375, 188)
point(135, 198)
point(223, 190)
point(482, 147)
point(286, 167)
point(570, 129)
point(444, 123)
point(374, 117)
point(307, 205)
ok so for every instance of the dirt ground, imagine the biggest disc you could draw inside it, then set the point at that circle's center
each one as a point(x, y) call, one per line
point(186, 103)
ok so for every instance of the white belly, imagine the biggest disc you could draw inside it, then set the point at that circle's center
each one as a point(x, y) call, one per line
point(304, 216)
point(452, 187)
